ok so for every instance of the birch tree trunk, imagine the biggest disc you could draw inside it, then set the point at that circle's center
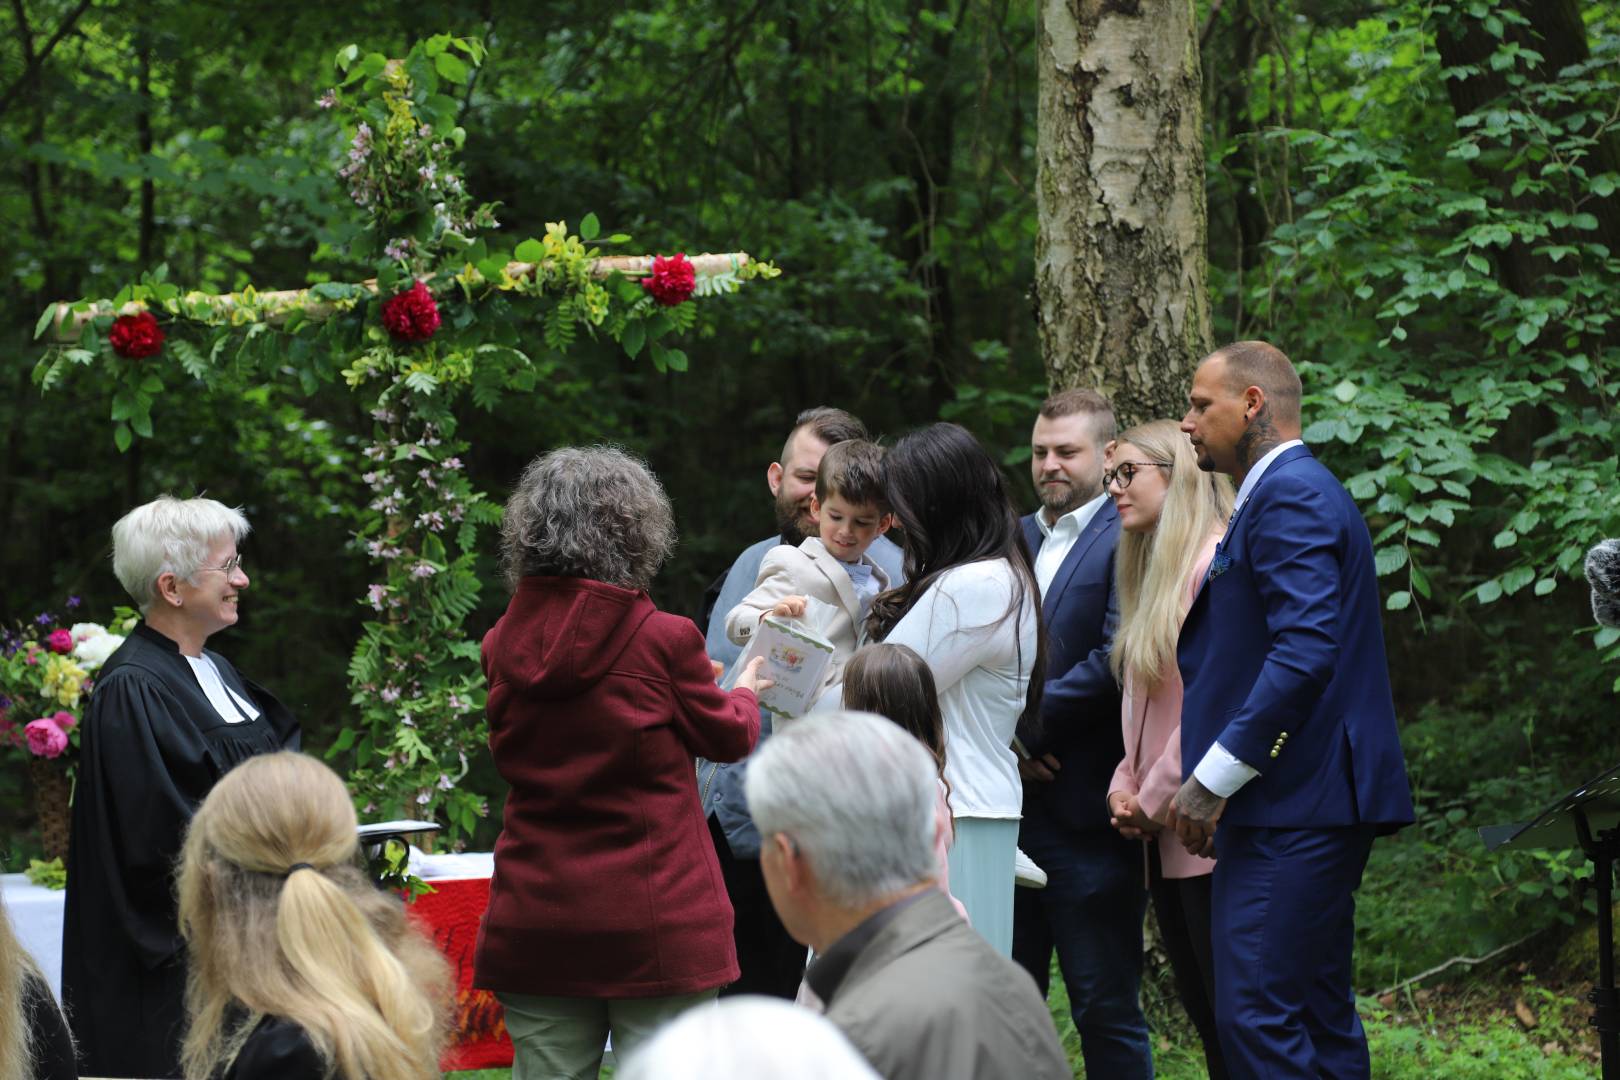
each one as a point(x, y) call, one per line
point(1122, 301)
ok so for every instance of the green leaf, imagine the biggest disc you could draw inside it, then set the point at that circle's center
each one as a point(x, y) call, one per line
point(1345, 391)
point(1399, 601)
point(589, 227)
point(676, 359)
point(1389, 559)
point(123, 438)
point(1489, 593)
point(451, 68)
point(345, 57)
point(1546, 585)
point(1505, 539)
point(1526, 333)
point(529, 251)
point(45, 319)
point(634, 336)
point(141, 421)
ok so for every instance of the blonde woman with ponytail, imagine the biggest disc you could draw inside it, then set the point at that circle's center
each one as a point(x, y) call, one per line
point(1172, 515)
point(300, 967)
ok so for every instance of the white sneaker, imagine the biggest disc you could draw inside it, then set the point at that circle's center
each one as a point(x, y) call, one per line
point(1026, 873)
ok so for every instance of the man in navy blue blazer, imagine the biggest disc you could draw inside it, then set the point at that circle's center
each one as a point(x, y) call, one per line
point(1288, 733)
point(1092, 906)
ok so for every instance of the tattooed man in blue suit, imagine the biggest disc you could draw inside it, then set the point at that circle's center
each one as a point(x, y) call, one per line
point(1288, 733)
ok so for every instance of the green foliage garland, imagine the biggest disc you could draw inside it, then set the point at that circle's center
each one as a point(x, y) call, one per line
point(417, 692)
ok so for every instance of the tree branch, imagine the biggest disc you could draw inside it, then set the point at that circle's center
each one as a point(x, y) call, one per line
point(32, 67)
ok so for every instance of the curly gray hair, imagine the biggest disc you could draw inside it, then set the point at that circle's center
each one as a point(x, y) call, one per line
point(592, 512)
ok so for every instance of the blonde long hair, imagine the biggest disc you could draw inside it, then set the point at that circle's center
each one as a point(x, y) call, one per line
point(16, 965)
point(1154, 569)
point(321, 947)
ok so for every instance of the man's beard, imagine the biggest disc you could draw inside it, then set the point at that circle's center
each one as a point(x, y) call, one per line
point(793, 521)
point(1062, 499)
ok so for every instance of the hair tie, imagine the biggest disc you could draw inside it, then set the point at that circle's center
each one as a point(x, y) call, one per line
point(297, 866)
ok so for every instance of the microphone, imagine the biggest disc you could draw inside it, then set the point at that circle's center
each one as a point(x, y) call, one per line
point(1603, 572)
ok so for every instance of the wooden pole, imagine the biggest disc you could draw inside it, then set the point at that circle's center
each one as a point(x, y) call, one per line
point(277, 306)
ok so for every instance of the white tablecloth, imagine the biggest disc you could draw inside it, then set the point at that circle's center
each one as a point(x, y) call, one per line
point(36, 912)
point(36, 916)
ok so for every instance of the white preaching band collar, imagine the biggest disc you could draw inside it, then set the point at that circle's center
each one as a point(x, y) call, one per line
point(1060, 539)
point(232, 707)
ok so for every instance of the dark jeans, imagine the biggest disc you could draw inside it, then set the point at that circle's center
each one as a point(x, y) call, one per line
point(772, 962)
point(1283, 930)
point(1091, 911)
point(1182, 908)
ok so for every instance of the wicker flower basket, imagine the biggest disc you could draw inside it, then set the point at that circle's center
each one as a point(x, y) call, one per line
point(52, 791)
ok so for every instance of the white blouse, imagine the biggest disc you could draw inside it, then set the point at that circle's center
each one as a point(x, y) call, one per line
point(981, 664)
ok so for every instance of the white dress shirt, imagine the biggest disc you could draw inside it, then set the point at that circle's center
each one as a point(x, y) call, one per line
point(1220, 770)
point(1060, 539)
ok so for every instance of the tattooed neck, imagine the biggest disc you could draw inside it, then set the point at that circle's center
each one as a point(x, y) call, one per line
point(1260, 439)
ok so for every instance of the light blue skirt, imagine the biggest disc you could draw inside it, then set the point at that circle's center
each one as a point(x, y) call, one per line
point(982, 876)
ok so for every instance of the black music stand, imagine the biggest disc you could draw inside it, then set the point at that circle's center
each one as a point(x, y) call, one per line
point(1587, 818)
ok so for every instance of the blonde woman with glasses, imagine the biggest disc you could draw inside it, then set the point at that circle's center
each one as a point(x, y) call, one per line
point(301, 969)
point(1172, 515)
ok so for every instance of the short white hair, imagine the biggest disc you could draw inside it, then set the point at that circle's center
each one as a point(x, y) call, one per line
point(748, 1038)
point(169, 536)
point(857, 794)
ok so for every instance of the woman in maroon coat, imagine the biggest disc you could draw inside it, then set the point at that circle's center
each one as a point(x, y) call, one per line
point(607, 911)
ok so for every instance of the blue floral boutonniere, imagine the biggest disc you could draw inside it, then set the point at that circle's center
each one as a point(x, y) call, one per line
point(1220, 564)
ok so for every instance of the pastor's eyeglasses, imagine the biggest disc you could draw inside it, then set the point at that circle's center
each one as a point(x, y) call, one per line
point(1123, 473)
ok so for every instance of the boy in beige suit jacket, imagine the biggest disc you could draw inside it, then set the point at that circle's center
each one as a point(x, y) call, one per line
point(833, 567)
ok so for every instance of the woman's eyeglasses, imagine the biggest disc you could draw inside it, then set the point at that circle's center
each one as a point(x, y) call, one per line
point(1123, 473)
point(233, 562)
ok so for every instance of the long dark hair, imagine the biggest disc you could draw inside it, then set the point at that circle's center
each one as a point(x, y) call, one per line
point(896, 683)
point(950, 500)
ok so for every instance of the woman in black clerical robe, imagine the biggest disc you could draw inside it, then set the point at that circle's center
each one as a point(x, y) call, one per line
point(167, 719)
point(301, 968)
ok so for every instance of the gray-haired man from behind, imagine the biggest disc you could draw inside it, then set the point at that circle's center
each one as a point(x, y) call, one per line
point(845, 803)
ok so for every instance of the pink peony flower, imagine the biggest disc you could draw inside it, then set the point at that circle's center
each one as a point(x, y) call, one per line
point(65, 720)
point(45, 739)
point(60, 641)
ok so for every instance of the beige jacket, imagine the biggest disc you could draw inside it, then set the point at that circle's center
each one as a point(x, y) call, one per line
point(807, 570)
point(930, 999)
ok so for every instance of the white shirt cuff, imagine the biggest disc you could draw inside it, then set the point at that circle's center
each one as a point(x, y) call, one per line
point(1222, 773)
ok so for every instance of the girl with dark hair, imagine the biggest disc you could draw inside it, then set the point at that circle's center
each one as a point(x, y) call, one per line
point(895, 683)
point(971, 609)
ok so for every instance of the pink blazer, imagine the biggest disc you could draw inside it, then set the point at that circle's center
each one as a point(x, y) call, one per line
point(1152, 767)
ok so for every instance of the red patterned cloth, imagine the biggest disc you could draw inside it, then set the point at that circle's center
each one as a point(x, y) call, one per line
point(451, 914)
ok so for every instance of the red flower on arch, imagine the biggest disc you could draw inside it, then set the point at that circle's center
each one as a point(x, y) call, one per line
point(137, 336)
point(672, 280)
point(412, 315)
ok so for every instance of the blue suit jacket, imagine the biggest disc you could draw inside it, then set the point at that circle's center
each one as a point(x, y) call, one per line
point(1282, 657)
point(1079, 722)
